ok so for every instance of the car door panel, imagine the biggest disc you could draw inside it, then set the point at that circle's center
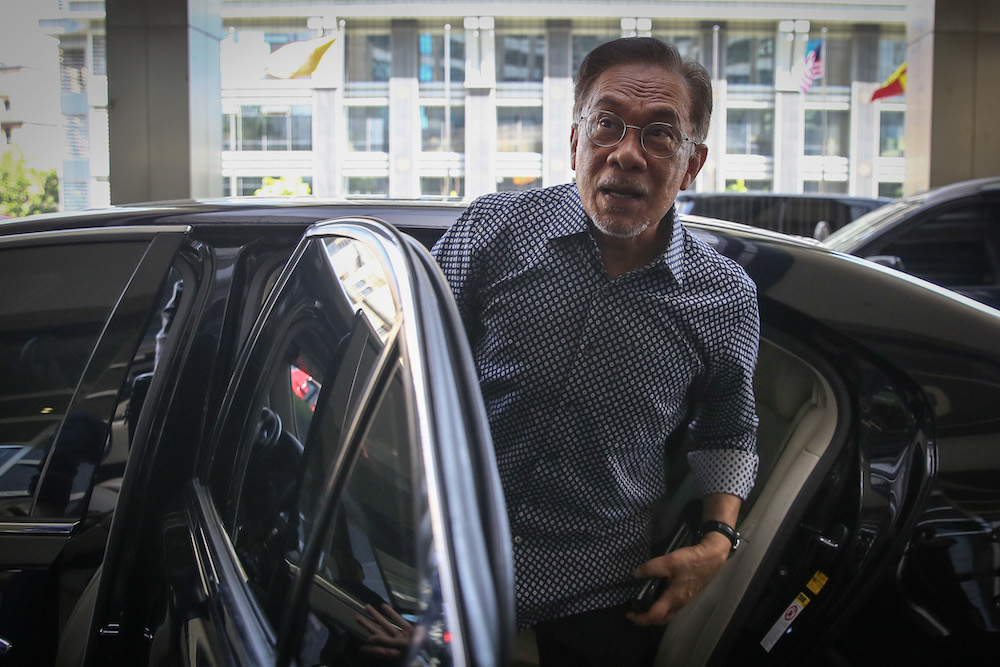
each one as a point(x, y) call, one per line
point(76, 307)
point(326, 479)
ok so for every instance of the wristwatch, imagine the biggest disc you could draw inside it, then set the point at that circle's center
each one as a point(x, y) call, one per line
point(719, 527)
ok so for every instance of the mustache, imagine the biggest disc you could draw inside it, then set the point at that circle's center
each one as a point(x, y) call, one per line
point(623, 186)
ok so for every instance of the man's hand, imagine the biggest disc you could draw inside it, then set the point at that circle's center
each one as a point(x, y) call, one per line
point(687, 570)
point(690, 569)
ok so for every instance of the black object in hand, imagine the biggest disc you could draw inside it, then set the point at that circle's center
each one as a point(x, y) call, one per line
point(650, 591)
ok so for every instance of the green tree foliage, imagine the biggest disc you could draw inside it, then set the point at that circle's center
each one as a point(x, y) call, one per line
point(26, 191)
point(282, 187)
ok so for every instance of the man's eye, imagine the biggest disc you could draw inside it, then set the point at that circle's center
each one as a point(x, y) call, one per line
point(607, 123)
point(661, 132)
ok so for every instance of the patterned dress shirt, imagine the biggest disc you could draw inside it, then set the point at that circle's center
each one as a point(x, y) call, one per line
point(584, 377)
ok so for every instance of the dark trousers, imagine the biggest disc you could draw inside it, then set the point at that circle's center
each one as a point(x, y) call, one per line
point(600, 638)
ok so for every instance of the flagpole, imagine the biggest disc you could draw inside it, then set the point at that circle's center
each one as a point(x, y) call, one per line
point(447, 109)
point(825, 56)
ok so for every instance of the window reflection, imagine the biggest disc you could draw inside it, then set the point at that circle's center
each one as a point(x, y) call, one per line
point(364, 283)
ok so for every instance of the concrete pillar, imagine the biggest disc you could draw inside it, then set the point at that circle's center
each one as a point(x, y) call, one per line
point(952, 92)
point(404, 112)
point(164, 99)
point(557, 105)
point(480, 106)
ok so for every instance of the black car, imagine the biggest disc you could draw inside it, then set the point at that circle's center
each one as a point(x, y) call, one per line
point(809, 214)
point(250, 432)
point(949, 236)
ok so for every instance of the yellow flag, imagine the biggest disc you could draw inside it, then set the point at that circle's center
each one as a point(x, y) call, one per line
point(298, 60)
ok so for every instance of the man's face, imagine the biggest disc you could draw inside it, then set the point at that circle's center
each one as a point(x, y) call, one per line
point(625, 190)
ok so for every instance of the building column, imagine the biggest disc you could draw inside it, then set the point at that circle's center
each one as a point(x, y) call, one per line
point(952, 92)
point(557, 104)
point(480, 106)
point(164, 99)
point(404, 112)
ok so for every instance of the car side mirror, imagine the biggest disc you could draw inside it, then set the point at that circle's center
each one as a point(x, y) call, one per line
point(821, 230)
point(892, 261)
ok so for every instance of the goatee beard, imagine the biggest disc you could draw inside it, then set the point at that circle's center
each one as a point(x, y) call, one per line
point(619, 230)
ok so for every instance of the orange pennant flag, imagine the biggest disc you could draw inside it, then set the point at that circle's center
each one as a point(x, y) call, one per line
point(894, 85)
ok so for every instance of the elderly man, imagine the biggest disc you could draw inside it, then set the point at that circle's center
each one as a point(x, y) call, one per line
point(599, 326)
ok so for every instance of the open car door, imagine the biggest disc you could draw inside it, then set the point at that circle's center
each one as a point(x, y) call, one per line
point(348, 507)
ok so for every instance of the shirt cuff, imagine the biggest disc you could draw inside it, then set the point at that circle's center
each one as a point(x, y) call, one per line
point(730, 471)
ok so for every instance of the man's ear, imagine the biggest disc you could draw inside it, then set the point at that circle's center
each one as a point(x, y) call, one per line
point(574, 137)
point(695, 162)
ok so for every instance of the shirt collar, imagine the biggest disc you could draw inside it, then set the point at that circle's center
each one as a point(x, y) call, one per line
point(672, 258)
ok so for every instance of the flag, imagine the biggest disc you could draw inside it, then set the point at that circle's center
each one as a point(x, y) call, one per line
point(894, 85)
point(298, 60)
point(814, 64)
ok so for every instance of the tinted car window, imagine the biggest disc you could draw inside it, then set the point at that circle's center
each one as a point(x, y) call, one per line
point(54, 304)
point(319, 421)
point(955, 247)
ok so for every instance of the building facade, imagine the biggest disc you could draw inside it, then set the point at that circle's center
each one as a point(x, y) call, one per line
point(410, 105)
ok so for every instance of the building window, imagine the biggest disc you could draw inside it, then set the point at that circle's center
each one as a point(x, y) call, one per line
point(368, 129)
point(837, 69)
point(827, 132)
point(891, 54)
point(367, 186)
point(435, 136)
point(890, 190)
point(432, 65)
point(890, 134)
point(743, 185)
point(515, 183)
point(519, 129)
point(268, 128)
point(750, 60)
point(750, 132)
point(368, 56)
point(825, 187)
point(442, 187)
point(73, 69)
point(520, 58)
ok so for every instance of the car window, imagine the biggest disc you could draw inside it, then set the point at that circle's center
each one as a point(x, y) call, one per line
point(56, 302)
point(320, 421)
point(954, 247)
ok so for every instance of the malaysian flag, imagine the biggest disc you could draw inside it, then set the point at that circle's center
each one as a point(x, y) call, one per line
point(814, 64)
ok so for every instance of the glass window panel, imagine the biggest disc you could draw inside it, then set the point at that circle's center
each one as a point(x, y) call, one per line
point(750, 60)
point(56, 301)
point(251, 129)
point(368, 56)
point(519, 129)
point(431, 53)
point(368, 129)
point(368, 185)
point(515, 183)
point(891, 54)
point(442, 187)
point(827, 132)
point(890, 189)
point(891, 134)
point(954, 248)
point(584, 44)
point(750, 132)
point(520, 58)
point(433, 133)
point(276, 132)
point(301, 127)
point(837, 70)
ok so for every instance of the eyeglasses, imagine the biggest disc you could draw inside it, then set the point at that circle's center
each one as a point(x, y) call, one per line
point(605, 129)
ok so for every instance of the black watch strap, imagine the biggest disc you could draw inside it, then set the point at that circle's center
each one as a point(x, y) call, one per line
point(719, 527)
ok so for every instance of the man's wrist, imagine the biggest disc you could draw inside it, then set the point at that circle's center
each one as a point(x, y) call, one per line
point(714, 530)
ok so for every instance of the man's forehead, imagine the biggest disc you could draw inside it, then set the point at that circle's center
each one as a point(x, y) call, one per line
point(646, 89)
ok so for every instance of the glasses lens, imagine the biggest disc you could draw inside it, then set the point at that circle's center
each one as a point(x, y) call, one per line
point(661, 139)
point(605, 129)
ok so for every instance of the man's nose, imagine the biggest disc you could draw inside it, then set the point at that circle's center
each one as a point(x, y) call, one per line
point(629, 153)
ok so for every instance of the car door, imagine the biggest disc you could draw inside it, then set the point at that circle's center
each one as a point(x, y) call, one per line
point(349, 508)
point(76, 327)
